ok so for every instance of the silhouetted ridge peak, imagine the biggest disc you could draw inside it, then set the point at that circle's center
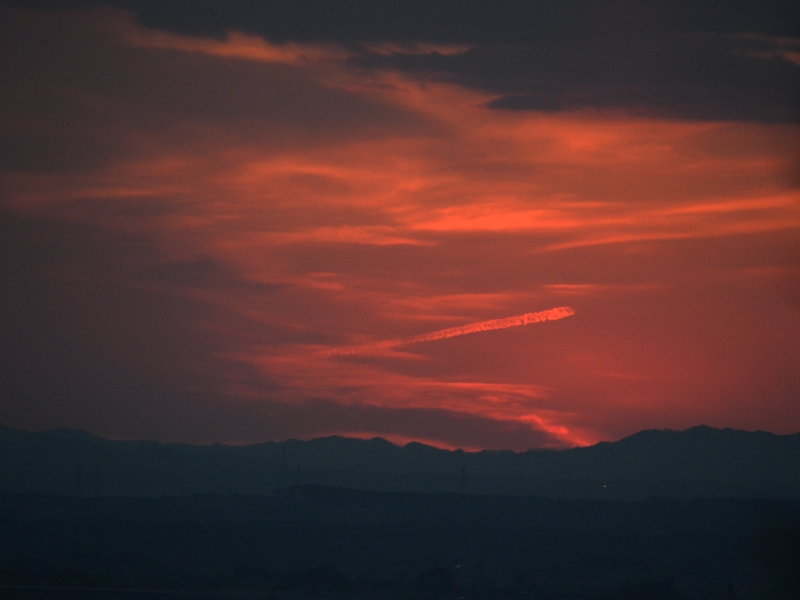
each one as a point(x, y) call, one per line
point(696, 433)
point(700, 461)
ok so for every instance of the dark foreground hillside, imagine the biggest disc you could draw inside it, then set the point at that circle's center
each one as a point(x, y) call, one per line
point(322, 542)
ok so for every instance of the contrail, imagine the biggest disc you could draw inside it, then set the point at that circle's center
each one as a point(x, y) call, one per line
point(554, 314)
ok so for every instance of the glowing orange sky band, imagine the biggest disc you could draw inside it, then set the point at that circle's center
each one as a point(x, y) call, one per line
point(554, 314)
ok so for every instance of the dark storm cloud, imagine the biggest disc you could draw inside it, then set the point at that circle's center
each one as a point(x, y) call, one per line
point(661, 75)
point(77, 96)
point(458, 21)
point(656, 58)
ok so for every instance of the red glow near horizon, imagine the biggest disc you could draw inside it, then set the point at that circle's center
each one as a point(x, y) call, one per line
point(676, 242)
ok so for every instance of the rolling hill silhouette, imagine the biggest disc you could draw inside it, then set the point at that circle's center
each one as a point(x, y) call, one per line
point(698, 462)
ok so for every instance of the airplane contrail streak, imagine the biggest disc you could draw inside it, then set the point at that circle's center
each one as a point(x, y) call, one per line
point(554, 314)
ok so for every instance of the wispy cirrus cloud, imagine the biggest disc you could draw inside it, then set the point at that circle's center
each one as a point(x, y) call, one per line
point(260, 213)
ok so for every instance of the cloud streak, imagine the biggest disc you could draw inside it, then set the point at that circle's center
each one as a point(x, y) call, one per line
point(553, 314)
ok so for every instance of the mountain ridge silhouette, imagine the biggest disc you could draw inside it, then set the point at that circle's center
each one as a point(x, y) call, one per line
point(701, 461)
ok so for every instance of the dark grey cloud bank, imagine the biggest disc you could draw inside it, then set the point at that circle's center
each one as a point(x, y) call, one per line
point(659, 75)
point(704, 60)
point(76, 97)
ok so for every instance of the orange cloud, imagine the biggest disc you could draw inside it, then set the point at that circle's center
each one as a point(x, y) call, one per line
point(236, 46)
point(297, 235)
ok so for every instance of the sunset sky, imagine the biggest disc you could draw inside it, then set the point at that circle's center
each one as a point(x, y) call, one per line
point(248, 221)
